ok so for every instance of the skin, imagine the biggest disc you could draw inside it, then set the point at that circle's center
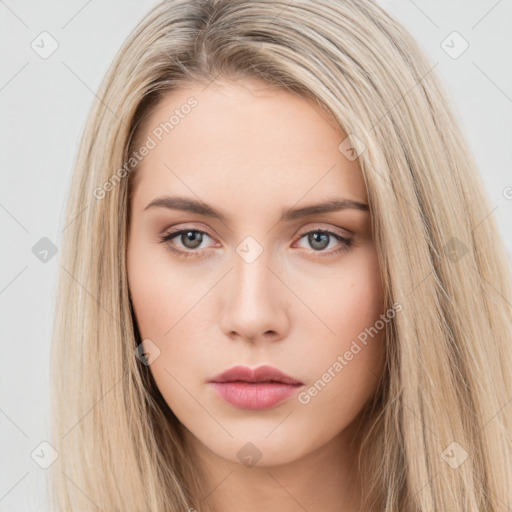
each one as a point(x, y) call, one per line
point(251, 151)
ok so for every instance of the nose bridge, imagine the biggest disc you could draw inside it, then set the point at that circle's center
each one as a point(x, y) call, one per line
point(251, 272)
point(253, 306)
point(252, 277)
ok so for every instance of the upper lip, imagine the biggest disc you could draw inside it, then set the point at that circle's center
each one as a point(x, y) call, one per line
point(263, 373)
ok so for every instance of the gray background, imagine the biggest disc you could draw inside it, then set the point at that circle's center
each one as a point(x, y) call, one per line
point(44, 103)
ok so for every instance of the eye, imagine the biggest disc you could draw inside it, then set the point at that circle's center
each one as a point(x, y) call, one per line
point(190, 239)
point(319, 239)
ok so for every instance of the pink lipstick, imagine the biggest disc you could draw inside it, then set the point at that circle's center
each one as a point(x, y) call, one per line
point(260, 388)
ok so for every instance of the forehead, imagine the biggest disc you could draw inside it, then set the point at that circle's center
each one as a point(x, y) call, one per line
point(244, 142)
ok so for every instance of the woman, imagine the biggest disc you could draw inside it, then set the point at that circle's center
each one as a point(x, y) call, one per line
point(282, 287)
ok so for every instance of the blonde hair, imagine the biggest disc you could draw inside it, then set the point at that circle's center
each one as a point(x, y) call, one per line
point(448, 368)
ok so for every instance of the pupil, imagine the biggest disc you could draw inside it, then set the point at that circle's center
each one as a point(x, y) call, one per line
point(194, 237)
point(313, 238)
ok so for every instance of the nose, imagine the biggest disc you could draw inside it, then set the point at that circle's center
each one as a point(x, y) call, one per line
point(255, 302)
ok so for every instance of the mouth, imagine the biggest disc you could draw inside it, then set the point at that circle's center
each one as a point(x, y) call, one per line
point(256, 389)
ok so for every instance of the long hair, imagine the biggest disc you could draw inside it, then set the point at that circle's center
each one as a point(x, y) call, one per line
point(437, 435)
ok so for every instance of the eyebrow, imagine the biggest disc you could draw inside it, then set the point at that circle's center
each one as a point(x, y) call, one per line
point(200, 208)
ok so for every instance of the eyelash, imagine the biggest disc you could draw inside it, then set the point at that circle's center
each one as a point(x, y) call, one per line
point(346, 243)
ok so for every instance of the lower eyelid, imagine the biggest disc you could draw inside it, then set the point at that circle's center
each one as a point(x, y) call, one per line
point(344, 244)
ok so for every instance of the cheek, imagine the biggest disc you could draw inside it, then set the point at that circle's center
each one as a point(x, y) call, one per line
point(357, 298)
point(167, 308)
point(154, 290)
point(348, 300)
point(165, 304)
point(346, 369)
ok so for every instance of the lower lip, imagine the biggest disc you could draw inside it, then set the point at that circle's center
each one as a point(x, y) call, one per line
point(245, 395)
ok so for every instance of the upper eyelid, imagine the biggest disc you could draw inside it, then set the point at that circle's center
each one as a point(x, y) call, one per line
point(300, 233)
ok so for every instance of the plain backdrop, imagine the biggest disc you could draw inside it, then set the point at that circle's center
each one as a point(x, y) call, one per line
point(44, 103)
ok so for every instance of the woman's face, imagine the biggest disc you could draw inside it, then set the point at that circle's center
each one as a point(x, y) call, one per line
point(267, 280)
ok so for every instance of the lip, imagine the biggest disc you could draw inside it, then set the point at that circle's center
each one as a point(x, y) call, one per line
point(260, 388)
point(263, 373)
